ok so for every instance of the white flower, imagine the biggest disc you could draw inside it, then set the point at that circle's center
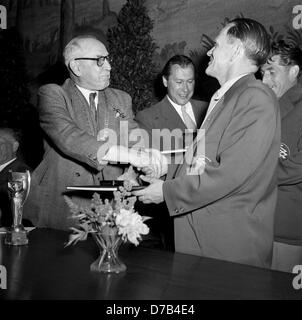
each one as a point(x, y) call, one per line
point(130, 225)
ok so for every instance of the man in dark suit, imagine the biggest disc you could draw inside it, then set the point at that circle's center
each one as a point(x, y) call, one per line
point(223, 196)
point(9, 144)
point(78, 119)
point(281, 73)
point(176, 111)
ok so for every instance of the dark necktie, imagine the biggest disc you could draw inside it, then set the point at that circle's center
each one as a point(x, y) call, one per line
point(190, 124)
point(92, 105)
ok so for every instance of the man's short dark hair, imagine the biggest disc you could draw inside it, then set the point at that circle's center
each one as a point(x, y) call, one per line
point(182, 60)
point(254, 38)
point(289, 54)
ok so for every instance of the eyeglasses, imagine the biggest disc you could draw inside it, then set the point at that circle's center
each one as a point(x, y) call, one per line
point(100, 60)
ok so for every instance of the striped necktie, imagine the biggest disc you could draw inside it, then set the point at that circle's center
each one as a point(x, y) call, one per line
point(92, 96)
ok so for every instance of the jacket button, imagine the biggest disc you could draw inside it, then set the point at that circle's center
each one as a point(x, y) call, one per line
point(176, 211)
point(77, 174)
point(181, 209)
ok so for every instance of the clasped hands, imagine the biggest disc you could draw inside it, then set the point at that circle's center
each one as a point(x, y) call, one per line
point(150, 161)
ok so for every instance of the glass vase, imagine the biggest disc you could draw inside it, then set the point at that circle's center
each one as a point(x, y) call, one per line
point(108, 242)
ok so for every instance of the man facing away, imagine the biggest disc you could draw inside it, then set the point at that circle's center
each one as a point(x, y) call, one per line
point(281, 73)
point(223, 196)
point(77, 119)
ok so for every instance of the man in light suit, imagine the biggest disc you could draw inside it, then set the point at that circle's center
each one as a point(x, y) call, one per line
point(77, 118)
point(281, 73)
point(9, 160)
point(178, 77)
point(223, 197)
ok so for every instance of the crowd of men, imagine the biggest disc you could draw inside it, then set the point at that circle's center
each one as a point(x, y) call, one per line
point(234, 192)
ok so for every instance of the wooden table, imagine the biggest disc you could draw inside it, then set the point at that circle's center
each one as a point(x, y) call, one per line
point(44, 269)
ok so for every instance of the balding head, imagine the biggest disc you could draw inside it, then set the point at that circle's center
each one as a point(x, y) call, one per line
point(82, 57)
point(80, 47)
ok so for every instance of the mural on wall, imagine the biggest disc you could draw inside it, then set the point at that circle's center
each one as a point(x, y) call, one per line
point(180, 26)
point(40, 24)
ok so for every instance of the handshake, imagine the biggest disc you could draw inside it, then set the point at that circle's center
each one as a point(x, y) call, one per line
point(150, 161)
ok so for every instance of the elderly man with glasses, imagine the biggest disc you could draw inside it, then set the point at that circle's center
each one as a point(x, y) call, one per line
point(78, 118)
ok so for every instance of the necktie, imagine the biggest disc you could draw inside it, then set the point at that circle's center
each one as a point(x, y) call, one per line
point(215, 98)
point(190, 124)
point(92, 105)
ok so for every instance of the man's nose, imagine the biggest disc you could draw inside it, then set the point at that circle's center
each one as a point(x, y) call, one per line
point(209, 53)
point(107, 65)
point(185, 87)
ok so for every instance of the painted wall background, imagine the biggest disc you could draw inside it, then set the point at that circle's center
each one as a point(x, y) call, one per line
point(178, 28)
point(178, 24)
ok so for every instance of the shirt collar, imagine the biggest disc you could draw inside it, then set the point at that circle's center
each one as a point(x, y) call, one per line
point(177, 106)
point(87, 92)
point(227, 85)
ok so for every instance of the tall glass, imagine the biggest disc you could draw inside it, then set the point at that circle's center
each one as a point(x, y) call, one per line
point(18, 188)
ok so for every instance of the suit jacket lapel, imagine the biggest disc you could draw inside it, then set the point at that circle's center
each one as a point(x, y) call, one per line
point(224, 99)
point(289, 99)
point(286, 106)
point(80, 107)
point(211, 118)
point(198, 110)
point(171, 116)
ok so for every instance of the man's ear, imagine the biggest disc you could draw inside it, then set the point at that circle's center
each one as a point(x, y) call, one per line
point(15, 146)
point(294, 71)
point(237, 50)
point(165, 81)
point(74, 68)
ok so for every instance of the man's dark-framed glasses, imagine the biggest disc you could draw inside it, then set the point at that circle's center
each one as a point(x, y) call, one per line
point(100, 60)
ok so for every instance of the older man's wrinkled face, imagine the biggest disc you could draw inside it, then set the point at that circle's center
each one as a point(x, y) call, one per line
point(7, 149)
point(221, 56)
point(92, 76)
point(278, 77)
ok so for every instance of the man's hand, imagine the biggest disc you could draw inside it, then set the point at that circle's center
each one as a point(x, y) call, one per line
point(151, 194)
point(137, 157)
point(158, 165)
point(150, 161)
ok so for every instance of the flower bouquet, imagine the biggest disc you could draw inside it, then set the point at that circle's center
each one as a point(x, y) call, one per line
point(110, 223)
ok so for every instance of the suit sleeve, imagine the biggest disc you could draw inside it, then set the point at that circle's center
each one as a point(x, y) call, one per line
point(61, 129)
point(290, 170)
point(145, 123)
point(243, 146)
point(132, 124)
point(136, 137)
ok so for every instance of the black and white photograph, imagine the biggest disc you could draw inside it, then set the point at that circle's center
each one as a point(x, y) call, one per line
point(150, 153)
